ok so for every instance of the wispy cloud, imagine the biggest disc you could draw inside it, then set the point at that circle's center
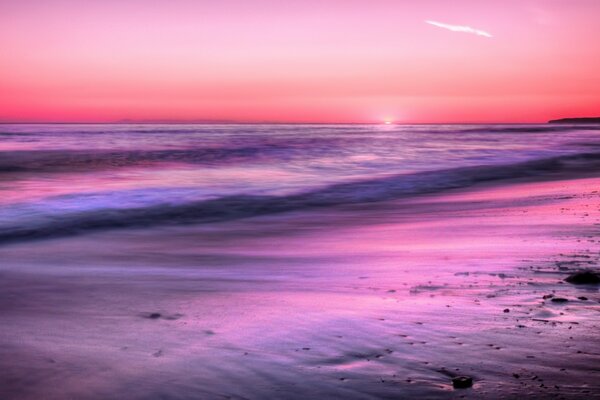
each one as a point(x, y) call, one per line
point(459, 28)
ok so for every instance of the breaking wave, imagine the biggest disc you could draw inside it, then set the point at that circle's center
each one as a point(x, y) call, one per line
point(231, 207)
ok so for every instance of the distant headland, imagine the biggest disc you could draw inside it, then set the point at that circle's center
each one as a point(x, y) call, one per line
point(586, 120)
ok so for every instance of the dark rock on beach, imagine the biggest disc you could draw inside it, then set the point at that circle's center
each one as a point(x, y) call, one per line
point(559, 300)
point(583, 278)
point(462, 382)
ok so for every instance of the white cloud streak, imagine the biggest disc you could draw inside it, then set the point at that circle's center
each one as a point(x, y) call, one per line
point(459, 28)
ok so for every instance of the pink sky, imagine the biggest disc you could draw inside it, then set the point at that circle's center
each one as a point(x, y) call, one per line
point(298, 61)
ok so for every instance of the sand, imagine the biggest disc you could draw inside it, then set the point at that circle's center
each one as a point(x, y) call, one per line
point(380, 301)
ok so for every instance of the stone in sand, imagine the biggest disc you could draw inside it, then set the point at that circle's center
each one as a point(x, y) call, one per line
point(583, 278)
point(559, 300)
point(462, 382)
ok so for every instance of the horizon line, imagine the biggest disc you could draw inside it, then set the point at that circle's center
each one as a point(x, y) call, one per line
point(257, 123)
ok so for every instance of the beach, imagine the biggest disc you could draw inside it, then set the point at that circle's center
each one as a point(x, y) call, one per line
point(299, 200)
point(362, 287)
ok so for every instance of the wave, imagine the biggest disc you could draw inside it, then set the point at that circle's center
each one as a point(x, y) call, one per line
point(67, 161)
point(234, 207)
point(95, 147)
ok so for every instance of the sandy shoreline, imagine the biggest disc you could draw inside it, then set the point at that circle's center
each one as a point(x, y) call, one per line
point(403, 296)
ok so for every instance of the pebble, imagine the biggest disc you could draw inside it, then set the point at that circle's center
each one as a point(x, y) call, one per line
point(583, 278)
point(559, 300)
point(462, 382)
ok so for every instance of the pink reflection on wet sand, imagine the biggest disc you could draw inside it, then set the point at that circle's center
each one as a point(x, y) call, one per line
point(389, 301)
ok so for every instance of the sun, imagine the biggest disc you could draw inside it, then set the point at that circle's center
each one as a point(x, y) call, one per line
point(387, 121)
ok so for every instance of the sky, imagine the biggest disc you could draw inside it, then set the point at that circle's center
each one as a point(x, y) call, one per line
point(331, 61)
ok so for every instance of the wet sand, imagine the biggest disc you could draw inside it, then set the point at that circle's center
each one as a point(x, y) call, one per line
point(380, 301)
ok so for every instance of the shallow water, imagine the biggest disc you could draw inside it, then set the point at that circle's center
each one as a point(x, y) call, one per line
point(181, 262)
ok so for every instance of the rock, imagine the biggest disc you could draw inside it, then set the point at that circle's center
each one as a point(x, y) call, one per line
point(583, 278)
point(559, 300)
point(462, 382)
point(154, 315)
point(576, 120)
point(506, 310)
point(582, 298)
point(547, 296)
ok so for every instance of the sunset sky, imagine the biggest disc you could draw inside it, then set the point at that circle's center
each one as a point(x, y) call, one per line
point(299, 61)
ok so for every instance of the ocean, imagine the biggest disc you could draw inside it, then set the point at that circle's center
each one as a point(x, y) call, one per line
point(60, 180)
point(151, 261)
